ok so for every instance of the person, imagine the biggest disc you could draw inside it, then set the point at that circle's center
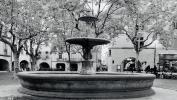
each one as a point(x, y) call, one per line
point(118, 68)
point(144, 66)
point(155, 70)
point(127, 66)
point(147, 69)
point(27, 69)
point(139, 68)
point(132, 67)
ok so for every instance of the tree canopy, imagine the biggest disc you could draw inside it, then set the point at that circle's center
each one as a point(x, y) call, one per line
point(35, 21)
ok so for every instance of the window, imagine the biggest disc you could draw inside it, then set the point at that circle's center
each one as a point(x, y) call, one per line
point(5, 51)
point(175, 25)
point(73, 67)
point(47, 57)
point(60, 67)
point(109, 52)
point(112, 61)
point(22, 52)
point(46, 52)
point(60, 55)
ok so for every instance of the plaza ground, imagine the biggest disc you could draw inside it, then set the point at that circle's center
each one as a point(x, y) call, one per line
point(7, 80)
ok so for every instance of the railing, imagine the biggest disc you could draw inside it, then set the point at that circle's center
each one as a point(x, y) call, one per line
point(72, 59)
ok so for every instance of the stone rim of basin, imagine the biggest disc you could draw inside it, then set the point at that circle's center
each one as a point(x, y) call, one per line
point(74, 85)
point(75, 75)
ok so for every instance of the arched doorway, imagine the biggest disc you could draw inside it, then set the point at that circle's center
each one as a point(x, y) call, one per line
point(73, 67)
point(60, 67)
point(4, 65)
point(24, 65)
point(44, 66)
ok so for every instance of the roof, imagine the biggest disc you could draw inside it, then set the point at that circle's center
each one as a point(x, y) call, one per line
point(168, 52)
point(124, 42)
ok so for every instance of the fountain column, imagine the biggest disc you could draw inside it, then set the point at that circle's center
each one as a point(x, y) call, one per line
point(87, 45)
point(87, 64)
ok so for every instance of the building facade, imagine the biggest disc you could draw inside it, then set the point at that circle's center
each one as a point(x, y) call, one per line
point(122, 49)
point(5, 57)
point(113, 57)
point(117, 57)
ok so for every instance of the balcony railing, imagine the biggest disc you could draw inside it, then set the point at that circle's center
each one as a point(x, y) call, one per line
point(72, 59)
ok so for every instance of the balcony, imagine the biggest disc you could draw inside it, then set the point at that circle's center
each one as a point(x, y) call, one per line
point(72, 59)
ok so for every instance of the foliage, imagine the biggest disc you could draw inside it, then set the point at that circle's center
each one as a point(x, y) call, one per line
point(14, 27)
point(37, 23)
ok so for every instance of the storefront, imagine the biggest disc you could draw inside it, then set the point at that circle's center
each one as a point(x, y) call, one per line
point(167, 61)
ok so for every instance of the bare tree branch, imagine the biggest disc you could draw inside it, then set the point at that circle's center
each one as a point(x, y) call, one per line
point(147, 37)
point(103, 8)
point(148, 44)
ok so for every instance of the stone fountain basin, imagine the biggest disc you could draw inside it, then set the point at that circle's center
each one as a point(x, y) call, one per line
point(73, 85)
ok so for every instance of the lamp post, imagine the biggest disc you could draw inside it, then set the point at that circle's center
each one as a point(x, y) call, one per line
point(155, 55)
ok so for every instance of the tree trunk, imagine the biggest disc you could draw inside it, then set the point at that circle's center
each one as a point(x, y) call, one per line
point(137, 64)
point(69, 56)
point(33, 63)
point(16, 62)
point(68, 47)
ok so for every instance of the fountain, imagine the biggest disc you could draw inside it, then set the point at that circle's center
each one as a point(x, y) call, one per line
point(87, 44)
point(88, 84)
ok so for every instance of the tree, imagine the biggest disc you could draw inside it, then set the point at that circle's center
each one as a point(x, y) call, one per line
point(168, 37)
point(32, 47)
point(62, 26)
point(12, 25)
point(103, 10)
point(141, 21)
point(37, 23)
point(79, 8)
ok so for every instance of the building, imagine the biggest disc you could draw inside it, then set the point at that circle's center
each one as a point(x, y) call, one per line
point(167, 57)
point(57, 61)
point(5, 57)
point(156, 54)
point(122, 49)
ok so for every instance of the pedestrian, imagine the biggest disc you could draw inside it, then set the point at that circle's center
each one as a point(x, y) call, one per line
point(144, 65)
point(147, 69)
point(132, 67)
point(155, 70)
point(127, 66)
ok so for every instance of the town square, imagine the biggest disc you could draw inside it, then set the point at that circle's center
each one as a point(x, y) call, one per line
point(88, 50)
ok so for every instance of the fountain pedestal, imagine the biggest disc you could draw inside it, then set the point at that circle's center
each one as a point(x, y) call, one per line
point(87, 44)
point(87, 68)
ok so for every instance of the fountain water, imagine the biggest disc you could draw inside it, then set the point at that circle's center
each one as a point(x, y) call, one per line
point(88, 84)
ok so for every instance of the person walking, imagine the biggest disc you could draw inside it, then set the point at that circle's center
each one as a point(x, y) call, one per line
point(147, 69)
point(132, 66)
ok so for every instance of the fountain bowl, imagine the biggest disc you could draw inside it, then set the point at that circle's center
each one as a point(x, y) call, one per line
point(97, 86)
point(87, 41)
